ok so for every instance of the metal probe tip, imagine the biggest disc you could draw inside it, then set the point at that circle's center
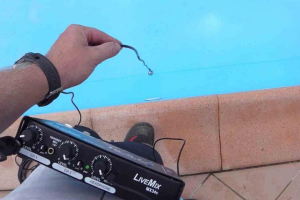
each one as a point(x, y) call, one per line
point(150, 72)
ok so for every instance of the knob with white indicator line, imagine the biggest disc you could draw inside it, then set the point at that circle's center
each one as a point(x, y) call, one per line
point(67, 151)
point(101, 166)
point(32, 135)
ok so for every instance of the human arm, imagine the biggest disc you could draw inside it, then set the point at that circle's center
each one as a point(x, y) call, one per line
point(75, 54)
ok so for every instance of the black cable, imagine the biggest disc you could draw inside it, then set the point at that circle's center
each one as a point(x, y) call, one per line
point(21, 175)
point(138, 56)
point(74, 105)
point(24, 168)
point(101, 198)
point(30, 169)
point(17, 161)
point(178, 160)
point(24, 164)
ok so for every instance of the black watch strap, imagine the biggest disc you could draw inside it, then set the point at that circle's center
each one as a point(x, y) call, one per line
point(50, 72)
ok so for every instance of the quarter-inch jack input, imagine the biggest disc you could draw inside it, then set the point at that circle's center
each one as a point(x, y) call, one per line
point(50, 151)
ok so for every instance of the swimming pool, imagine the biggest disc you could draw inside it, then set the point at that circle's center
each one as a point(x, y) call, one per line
point(194, 47)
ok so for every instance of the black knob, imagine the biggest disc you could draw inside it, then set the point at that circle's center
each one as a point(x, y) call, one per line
point(66, 152)
point(101, 167)
point(30, 135)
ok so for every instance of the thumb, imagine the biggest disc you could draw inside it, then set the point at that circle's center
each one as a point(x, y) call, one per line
point(104, 51)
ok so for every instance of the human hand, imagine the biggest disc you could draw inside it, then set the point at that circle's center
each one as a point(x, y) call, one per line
point(77, 52)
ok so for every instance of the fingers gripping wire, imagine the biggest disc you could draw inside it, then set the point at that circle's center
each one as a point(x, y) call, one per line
point(72, 100)
point(150, 72)
point(178, 160)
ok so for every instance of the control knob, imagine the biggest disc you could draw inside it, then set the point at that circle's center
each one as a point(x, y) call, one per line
point(101, 165)
point(31, 135)
point(68, 151)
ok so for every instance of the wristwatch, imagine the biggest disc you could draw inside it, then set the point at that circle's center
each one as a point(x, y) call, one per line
point(50, 72)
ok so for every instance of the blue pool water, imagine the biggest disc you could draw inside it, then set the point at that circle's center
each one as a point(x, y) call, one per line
point(194, 47)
